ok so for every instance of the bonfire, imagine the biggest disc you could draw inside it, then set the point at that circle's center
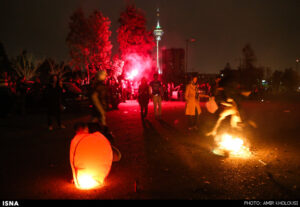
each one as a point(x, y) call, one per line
point(230, 144)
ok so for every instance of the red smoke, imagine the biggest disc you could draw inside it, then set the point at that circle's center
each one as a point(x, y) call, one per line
point(138, 66)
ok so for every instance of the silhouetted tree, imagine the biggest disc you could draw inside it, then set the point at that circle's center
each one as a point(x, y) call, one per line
point(88, 41)
point(276, 80)
point(5, 64)
point(229, 76)
point(77, 39)
point(133, 37)
point(99, 43)
point(290, 80)
point(250, 74)
point(26, 65)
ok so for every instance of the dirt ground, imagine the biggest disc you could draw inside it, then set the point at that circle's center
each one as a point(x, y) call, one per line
point(161, 159)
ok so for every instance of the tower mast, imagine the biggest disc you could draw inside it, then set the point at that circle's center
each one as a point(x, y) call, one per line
point(158, 32)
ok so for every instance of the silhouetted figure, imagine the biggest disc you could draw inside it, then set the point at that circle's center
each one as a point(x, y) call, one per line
point(157, 94)
point(99, 98)
point(143, 97)
point(217, 91)
point(114, 94)
point(54, 99)
point(21, 90)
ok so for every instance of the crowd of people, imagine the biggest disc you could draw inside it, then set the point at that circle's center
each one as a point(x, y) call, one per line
point(106, 93)
point(153, 90)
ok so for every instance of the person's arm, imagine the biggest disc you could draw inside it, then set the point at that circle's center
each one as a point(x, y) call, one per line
point(230, 102)
point(246, 93)
point(203, 96)
point(186, 94)
point(150, 90)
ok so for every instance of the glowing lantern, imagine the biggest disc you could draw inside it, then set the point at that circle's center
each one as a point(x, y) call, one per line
point(234, 146)
point(90, 158)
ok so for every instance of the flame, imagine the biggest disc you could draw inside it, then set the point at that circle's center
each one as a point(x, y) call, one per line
point(86, 181)
point(227, 143)
point(235, 146)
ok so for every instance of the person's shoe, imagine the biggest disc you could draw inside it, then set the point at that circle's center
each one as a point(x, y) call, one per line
point(50, 128)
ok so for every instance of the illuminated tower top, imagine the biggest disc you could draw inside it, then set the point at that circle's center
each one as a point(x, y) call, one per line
point(158, 32)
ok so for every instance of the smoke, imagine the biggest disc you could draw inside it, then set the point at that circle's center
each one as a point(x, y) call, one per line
point(138, 65)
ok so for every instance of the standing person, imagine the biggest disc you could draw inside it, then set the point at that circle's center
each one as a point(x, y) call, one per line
point(143, 97)
point(21, 92)
point(217, 91)
point(192, 98)
point(157, 93)
point(54, 99)
point(99, 98)
point(114, 94)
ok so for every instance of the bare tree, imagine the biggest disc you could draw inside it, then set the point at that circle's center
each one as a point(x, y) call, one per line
point(57, 69)
point(26, 65)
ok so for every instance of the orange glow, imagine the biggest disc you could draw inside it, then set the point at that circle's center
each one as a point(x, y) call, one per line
point(232, 145)
point(86, 181)
point(90, 158)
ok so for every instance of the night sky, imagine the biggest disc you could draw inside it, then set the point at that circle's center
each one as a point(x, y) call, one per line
point(221, 28)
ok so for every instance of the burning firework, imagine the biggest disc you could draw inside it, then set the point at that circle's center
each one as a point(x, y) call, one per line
point(228, 144)
point(137, 66)
point(231, 145)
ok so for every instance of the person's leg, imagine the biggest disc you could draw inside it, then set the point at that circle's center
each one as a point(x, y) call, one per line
point(159, 105)
point(195, 121)
point(142, 111)
point(49, 117)
point(146, 111)
point(58, 117)
point(155, 105)
point(223, 115)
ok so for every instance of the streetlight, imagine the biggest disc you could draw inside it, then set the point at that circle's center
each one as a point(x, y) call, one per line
point(186, 51)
